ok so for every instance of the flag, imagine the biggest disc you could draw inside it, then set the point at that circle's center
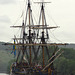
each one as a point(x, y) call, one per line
point(14, 49)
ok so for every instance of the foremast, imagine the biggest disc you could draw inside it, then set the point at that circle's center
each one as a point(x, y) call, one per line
point(29, 38)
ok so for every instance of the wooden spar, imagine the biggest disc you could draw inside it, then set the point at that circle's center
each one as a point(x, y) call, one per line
point(18, 38)
point(36, 25)
point(23, 40)
point(43, 35)
point(42, 2)
point(29, 32)
point(42, 17)
point(29, 17)
point(52, 61)
point(17, 26)
point(17, 49)
point(44, 27)
point(43, 56)
point(54, 55)
point(48, 44)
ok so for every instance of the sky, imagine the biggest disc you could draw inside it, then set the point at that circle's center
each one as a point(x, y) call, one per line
point(60, 12)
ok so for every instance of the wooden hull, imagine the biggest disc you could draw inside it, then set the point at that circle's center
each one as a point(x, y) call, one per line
point(28, 72)
point(36, 73)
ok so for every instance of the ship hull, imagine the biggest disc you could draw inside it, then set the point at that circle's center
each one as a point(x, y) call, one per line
point(36, 73)
point(28, 71)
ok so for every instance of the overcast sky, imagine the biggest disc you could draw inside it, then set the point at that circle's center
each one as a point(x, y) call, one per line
point(62, 12)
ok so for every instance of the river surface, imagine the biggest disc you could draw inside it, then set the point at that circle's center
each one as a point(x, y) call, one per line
point(3, 74)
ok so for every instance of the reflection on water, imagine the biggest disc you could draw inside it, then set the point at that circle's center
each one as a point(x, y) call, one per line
point(3, 74)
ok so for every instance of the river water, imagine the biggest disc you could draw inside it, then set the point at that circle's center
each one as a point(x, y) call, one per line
point(3, 74)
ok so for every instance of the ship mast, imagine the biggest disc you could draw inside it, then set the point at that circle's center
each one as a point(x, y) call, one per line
point(29, 8)
point(29, 14)
point(42, 16)
point(43, 35)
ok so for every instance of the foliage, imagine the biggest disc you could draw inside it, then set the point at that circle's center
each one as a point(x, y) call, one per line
point(65, 64)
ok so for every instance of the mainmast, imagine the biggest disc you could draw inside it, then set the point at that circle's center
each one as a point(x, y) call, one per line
point(29, 8)
point(43, 40)
point(44, 27)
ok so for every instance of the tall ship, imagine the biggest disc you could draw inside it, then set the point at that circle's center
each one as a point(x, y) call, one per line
point(33, 52)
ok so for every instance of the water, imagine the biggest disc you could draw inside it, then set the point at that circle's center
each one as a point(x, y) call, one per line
point(3, 74)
